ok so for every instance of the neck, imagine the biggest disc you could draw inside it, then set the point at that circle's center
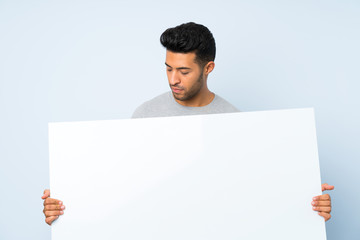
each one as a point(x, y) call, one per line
point(202, 98)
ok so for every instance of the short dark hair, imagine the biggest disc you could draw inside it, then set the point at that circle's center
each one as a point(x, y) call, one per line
point(190, 37)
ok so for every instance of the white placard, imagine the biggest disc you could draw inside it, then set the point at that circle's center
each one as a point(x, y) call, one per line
point(220, 176)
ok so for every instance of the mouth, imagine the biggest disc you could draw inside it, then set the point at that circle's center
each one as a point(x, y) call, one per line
point(176, 90)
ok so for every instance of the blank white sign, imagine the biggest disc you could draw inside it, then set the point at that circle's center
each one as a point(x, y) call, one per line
point(221, 176)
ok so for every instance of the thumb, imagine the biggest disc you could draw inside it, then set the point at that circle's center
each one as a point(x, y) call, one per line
point(46, 194)
point(326, 186)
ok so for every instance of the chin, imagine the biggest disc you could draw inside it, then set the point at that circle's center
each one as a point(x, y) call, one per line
point(179, 97)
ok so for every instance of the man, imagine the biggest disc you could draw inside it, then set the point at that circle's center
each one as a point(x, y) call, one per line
point(190, 55)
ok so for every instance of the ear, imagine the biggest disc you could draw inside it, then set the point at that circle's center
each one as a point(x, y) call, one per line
point(209, 67)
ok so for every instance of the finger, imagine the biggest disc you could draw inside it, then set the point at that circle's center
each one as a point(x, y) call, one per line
point(52, 201)
point(324, 197)
point(326, 186)
point(49, 220)
point(53, 213)
point(54, 207)
point(46, 194)
point(326, 216)
point(322, 209)
point(321, 203)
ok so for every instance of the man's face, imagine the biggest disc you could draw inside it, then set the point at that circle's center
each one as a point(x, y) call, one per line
point(185, 76)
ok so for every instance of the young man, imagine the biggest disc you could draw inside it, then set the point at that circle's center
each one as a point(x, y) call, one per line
point(190, 55)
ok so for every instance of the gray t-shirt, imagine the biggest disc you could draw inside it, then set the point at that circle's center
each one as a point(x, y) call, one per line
point(165, 105)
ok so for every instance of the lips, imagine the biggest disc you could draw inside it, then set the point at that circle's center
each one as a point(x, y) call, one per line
point(176, 90)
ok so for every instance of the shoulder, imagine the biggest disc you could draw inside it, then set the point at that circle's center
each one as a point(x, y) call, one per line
point(151, 107)
point(223, 106)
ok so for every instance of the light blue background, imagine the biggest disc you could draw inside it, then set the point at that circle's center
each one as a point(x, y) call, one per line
point(93, 60)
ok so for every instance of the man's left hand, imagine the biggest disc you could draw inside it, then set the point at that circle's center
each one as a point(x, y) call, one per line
point(322, 203)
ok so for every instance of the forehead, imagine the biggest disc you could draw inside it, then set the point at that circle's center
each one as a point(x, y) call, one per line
point(176, 60)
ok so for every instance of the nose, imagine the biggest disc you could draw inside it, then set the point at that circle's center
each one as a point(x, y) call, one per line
point(173, 78)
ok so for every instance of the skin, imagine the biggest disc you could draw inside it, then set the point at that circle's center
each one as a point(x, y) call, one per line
point(53, 208)
point(322, 203)
point(187, 80)
point(188, 83)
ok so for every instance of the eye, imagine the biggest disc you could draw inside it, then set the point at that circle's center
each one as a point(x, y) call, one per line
point(184, 73)
point(169, 69)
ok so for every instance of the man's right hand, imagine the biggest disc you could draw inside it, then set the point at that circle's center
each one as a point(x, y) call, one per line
point(53, 208)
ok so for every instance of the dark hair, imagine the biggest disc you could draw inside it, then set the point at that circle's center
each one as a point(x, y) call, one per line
point(190, 37)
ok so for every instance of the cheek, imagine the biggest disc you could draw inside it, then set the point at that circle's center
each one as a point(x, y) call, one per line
point(186, 81)
point(168, 75)
point(193, 80)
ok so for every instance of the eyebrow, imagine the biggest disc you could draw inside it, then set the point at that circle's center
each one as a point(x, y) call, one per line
point(179, 68)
